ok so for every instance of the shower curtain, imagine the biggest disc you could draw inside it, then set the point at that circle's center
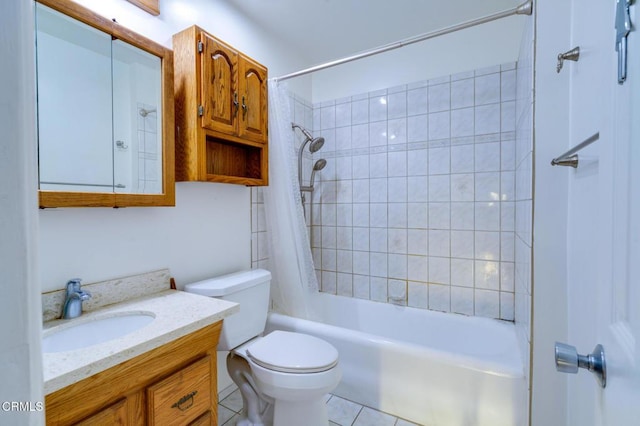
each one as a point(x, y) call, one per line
point(290, 259)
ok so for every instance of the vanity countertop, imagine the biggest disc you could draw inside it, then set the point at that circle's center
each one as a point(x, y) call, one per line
point(177, 314)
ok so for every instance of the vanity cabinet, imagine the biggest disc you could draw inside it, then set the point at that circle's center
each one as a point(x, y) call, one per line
point(221, 112)
point(174, 384)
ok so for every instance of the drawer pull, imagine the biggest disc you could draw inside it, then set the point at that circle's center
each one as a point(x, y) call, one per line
point(187, 398)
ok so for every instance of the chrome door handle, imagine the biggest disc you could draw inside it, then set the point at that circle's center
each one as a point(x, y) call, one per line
point(569, 361)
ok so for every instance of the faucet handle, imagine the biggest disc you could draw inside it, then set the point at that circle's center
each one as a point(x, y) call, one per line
point(73, 285)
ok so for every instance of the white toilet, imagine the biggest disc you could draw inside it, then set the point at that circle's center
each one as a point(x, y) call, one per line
point(283, 376)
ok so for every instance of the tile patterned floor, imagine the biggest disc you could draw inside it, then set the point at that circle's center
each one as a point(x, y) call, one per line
point(342, 412)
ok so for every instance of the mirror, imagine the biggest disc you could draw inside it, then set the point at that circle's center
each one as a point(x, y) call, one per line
point(105, 112)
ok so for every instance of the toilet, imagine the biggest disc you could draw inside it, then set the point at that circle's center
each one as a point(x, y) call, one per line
point(282, 376)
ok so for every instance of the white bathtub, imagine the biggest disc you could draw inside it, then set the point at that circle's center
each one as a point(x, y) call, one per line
point(428, 367)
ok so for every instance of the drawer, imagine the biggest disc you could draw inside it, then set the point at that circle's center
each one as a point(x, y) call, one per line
point(181, 397)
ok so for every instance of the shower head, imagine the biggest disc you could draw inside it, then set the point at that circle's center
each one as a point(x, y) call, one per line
point(319, 165)
point(316, 144)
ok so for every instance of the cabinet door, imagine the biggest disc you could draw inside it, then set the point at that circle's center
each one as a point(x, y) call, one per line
point(113, 415)
point(219, 91)
point(253, 88)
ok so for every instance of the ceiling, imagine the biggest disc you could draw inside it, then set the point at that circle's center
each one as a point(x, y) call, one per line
point(323, 30)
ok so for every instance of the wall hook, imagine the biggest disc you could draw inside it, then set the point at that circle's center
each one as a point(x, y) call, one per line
point(571, 55)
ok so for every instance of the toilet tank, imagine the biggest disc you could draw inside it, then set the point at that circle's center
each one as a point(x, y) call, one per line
point(248, 288)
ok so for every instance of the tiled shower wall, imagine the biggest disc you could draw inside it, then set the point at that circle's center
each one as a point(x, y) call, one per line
point(416, 204)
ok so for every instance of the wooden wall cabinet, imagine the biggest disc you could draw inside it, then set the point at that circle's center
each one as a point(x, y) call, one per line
point(221, 112)
point(175, 384)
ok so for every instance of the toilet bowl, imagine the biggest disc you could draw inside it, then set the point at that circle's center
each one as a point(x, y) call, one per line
point(282, 376)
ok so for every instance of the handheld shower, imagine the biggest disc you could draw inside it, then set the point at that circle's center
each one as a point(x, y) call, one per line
point(319, 165)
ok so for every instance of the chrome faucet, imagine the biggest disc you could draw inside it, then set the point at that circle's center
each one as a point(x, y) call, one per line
point(72, 307)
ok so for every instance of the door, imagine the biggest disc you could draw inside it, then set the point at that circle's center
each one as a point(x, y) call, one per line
point(604, 219)
point(253, 89)
point(219, 91)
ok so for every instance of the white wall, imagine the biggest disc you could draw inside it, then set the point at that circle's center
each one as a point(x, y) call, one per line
point(208, 232)
point(549, 389)
point(478, 47)
point(20, 308)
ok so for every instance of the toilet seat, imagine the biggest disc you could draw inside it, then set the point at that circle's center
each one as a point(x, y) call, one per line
point(289, 352)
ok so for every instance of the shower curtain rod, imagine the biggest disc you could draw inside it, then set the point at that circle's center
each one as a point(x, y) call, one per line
point(525, 8)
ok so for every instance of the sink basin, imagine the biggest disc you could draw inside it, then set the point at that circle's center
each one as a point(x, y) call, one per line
point(93, 331)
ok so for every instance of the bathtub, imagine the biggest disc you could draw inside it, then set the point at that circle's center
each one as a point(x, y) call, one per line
point(428, 367)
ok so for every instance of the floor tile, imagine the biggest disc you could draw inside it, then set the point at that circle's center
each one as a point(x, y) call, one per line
point(342, 411)
point(224, 414)
point(231, 422)
point(226, 392)
point(371, 417)
point(233, 402)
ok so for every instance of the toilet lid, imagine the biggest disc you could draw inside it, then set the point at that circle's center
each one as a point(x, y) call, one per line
point(293, 353)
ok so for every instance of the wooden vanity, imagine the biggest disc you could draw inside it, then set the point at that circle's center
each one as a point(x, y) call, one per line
point(174, 384)
point(162, 373)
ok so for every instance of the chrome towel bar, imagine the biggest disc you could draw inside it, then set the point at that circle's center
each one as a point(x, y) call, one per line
point(570, 158)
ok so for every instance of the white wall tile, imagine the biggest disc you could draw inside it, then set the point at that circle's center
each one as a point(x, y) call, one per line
point(439, 161)
point(462, 272)
point(329, 282)
point(345, 238)
point(378, 133)
point(397, 131)
point(439, 97)
point(487, 275)
point(378, 108)
point(344, 168)
point(418, 295)
point(397, 292)
point(360, 192)
point(439, 188)
point(343, 114)
point(507, 306)
point(487, 157)
point(487, 89)
point(344, 261)
point(378, 215)
point(463, 216)
point(417, 101)
point(439, 297)
point(508, 85)
point(439, 243)
point(344, 284)
point(397, 187)
point(379, 263)
point(462, 159)
point(462, 244)
point(361, 262)
point(487, 303)
point(398, 266)
point(462, 122)
point(439, 125)
point(417, 215)
point(487, 186)
point(378, 289)
point(378, 240)
point(487, 216)
point(418, 128)
point(487, 119)
point(361, 238)
point(397, 163)
point(417, 268)
point(462, 93)
point(329, 259)
point(417, 242)
point(397, 215)
point(487, 245)
point(418, 162)
point(361, 286)
point(360, 111)
point(360, 135)
point(462, 300)
point(328, 117)
point(378, 165)
point(463, 187)
point(397, 105)
point(439, 215)
point(417, 189)
point(439, 270)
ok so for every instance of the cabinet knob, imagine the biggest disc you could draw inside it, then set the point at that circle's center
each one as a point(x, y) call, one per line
point(244, 107)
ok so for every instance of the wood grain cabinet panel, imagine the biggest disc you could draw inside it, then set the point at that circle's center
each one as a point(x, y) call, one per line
point(221, 112)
